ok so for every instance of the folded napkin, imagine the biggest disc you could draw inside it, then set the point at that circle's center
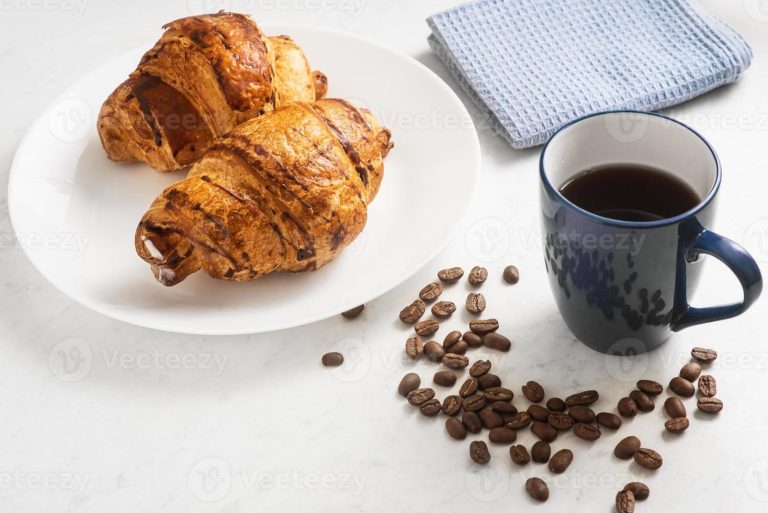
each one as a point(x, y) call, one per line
point(534, 65)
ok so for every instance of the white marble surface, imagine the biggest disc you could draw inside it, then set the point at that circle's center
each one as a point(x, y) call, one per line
point(102, 416)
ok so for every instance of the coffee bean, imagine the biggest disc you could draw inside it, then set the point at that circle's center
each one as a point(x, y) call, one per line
point(502, 435)
point(498, 394)
point(443, 309)
point(538, 412)
point(540, 451)
point(609, 420)
point(414, 347)
point(674, 407)
point(650, 387)
point(497, 341)
point(583, 414)
point(455, 361)
point(582, 398)
point(452, 405)
point(690, 371)
point(477, 276)
point(434, 351)
point(511, 274)
point(627, 447)
point(430, 408)
point(459, 347)
point(474, 403)
point(556, 404)
point(642, 400)
point(519, 420)
point(354, 312)
point(625, 502)
point(676, 425)
point(533, 392)
point(420, 395)
point(639, 490)
point(444, 378)
point(450, 275)
point(409, 383)
point(430, 292)
point(710, 404)
point(543, 431)
point(519, 454)
point(537, 489)
point(483, 326)
point(455, 428)
point(559, 461)
point(627, 407)
point(681, 386)
point(703, 354)
point(468, 388)
point(648, 458)
point(588, 432)
point(333, 359)
point(451, 339)
point(560, 421)
point(478, 451)
point(503, 407)
point(472, 339)
point(707, 386)
point(472, 422)
point(427, 328)
point(490, 418)
point(475, 303)
point(413, 312)
point(489, 381)
point(480, 368)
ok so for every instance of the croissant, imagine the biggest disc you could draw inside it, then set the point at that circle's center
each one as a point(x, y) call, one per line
point(284, 192)
point(206, 75)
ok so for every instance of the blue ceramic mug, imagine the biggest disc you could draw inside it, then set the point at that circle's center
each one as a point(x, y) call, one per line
point(622, 287)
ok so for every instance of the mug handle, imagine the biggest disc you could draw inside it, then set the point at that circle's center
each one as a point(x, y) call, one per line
point(738, 261)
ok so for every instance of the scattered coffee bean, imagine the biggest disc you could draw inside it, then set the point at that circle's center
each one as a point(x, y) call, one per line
point(543, 431)
point(540, 451)
point(489, 381)
point(443, 309)
point(703, 354)
point(588, 432)
point(451, 339)
point(502, 435)
point(560, 421)
point(519, 454)
point(479, 368)
point(430, 407)
point(444, 378)
point(472, 339)
point(583, 414)
point(582, 398)
point(709, 404)
point(627, 407)
point(638, 489)
point(451, 274)
point(627, 447)
point(690, 371)
point(538, 412)
point(676, 425)
point(503, 407)
point(414, 347)
point(681, 386)
point(497, 341)
point(420, 395)
point(533, 392)
point(519, 420)
point(455, 361)
point(427, 328)
point(409, 383)
point(333, 359)
point(475, 303)
point(483, 326)
point(455, 428)
point(648, 458)
point(354, 312)
point(430, 292)
point(490, 418)
point(477, 276)
point(459, 347)
point(474, 403)
point(478, 451)
point(556, 404)
point(434, 351)
point(609, 420)
point(468, 388)
point(625, 502)
point(413, 312)
point(537, 489)
point(674, 407)
point(642, 400)
point(560, 461)
point(452, 405)
point(707, 386)
point(472, 422)
point(498, 394)
point(511, 274)
point(650, 387)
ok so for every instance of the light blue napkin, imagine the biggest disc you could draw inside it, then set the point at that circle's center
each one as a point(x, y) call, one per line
point(534, 65)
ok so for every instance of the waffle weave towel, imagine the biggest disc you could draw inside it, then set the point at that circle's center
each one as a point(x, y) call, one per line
point(534, 65)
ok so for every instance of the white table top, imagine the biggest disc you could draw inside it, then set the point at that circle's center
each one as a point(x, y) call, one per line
point(103, 416)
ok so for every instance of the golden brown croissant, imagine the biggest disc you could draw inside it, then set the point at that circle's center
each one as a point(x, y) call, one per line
point(205, 75)
point(286, 191)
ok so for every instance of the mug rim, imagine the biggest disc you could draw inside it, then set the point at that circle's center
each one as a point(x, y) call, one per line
point(618, 222)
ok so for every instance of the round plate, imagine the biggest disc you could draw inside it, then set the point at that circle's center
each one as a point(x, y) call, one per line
point(75, 212)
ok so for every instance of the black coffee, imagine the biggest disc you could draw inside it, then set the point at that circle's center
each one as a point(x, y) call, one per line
point(630, 192)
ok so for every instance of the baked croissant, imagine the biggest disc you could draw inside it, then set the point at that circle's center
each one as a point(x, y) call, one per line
point(286, 191)
point(206, 75)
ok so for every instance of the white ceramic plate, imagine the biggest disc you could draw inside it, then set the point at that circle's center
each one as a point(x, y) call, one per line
point(75, 212)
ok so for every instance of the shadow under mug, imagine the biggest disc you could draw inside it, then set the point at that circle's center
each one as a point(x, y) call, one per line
point(622, 287)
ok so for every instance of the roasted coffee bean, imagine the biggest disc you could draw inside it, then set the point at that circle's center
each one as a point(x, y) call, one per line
point(709, 404)
point(451, 339)
point(648, 458)
point(609, 420)
point(430, 292)
point(682, 386)
point(638, 489)
point(472, 422)
point(354, 312)
point(650, 387)
point(444, 378)
point(537, 489)
point(519, 454)
point(455, 428)
point(427, 327)
point(690, 371)
point(430, 408)
point(560, 461)
point(543, 431)
point(452, 405)
point(511, 274)
point(556, 404)
point(333, 359)
point(483, 326)
point(475, 303)
point(533, 392)
point(583, 414)
point(472, 339)
point(538, 412)
point(642, 400)
point(497, 341)
point(707, 386)
point(459, 347)
point(582, 398)
point(443, 309)
point(560, 421)
point(498, 394)
point(627, 407)
point(479, 368)
point(478, 451)
point(588, 432)
point(455, 361)
point(468, 388)
point(488, 381)
point(450, 275)
point(502, 435)
point(490, 418)
point(477, 276)
point(625, 502)
point(409, 383)
point(420, 395)
point(519, 420)
point(474, 403)
point(414, 347)
point(413, 312)
point(434, 351)
point(676, 425)
point(703, 354)
point(503, 407)
point(674, 407)
point(627, 447)
point(540, 451)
